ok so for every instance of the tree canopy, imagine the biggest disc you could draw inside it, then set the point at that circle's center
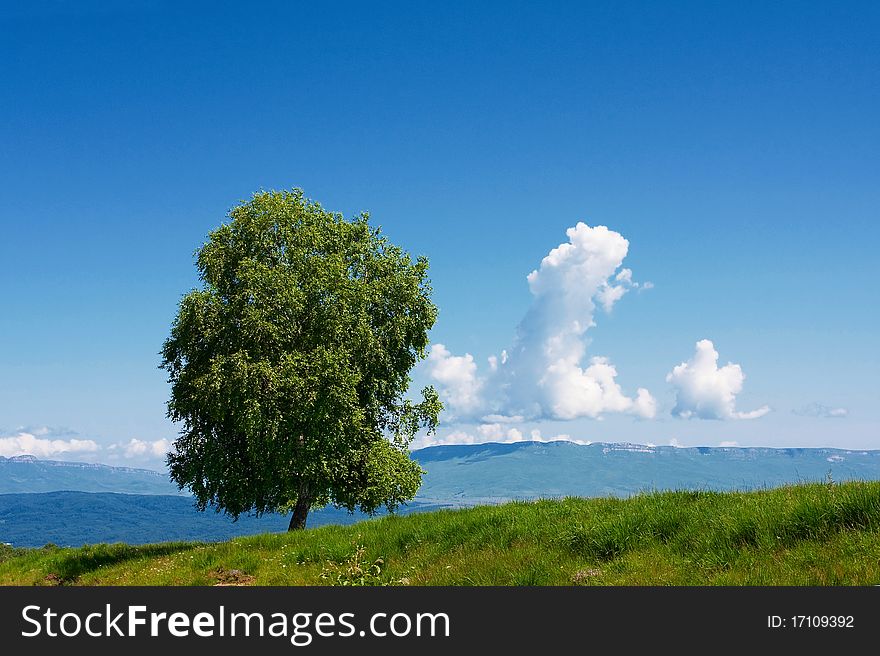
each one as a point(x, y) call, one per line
point(289, 368)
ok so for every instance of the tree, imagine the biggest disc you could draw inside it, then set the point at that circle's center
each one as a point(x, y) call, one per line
point(289, 367)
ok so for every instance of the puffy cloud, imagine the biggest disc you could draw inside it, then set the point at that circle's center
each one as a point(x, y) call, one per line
point(135, 448)
point(705, 391)
point(535, 436)
point(572, 392)
point(543, 375)
point(493, 432)
point(498, 433)
point(28, 443)
point(608, 295)
point(456, 437)
point(819, 410)
point(457, 375)
point(644, 405)
point(728, 443)
point(503, 419)
point(60, 443)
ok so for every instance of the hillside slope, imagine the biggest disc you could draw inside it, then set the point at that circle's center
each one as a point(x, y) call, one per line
point(818, 534)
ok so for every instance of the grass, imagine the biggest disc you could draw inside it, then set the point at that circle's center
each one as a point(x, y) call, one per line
point(815, 534)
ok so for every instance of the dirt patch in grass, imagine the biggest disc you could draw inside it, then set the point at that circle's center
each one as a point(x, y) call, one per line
point(232, 577)
point(582, 576)
point(53, 579)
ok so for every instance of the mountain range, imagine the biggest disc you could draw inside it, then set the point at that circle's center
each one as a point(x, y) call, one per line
point(70, 503)
point(27, 474)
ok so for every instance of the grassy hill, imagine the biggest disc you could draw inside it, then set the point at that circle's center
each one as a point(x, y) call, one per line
point(816, 534)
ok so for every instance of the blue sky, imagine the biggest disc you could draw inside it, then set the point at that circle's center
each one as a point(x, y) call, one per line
point(734, 146)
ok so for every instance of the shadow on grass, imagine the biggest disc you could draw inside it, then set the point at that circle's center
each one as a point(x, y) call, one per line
point(69, 566)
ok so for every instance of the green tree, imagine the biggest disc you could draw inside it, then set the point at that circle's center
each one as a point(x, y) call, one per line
point(289, 367)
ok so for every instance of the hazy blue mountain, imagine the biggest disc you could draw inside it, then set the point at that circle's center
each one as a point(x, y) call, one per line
point(459, 475)
point(27, 474)
point(479, 473)
point(486, 473)
point(72, 519)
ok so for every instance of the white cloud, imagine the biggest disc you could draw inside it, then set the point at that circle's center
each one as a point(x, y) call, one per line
point(456, 437)
point(608, 295)
point(705, 391)
point(457, 375)
point(514, 435)
point(752, 414)
point(496, 432)
point(535, 436)
point(135, 448)
point(573, 392)
point(819, 410)
point(49, 443)
point(493, 361)
point(490, 432)
point(644, 405)
point(729, 443)
point(25, 443)
point(542, 375)
point(503, 419)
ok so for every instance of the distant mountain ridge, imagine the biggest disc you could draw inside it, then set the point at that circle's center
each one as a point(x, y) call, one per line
point(77, 465)
point(481, 473)
point(28, 474)
point(489, 473)
point(99, 503)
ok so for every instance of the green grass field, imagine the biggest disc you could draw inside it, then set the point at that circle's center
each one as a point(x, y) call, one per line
point(817, 534)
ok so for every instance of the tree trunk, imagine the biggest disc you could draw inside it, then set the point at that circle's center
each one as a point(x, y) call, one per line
point(300, 512)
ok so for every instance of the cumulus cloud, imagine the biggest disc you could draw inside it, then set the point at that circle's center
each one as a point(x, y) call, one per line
point(546, 373)
point(49, 443)
point(491, 433)
point(503, 419)
point(535, 436)
point(457, 377)
point(135, 448)
point(571, 392)
point(455, 437)
point(498, 433)
point(819, 410)
point(28, 443)
point(705, 391)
